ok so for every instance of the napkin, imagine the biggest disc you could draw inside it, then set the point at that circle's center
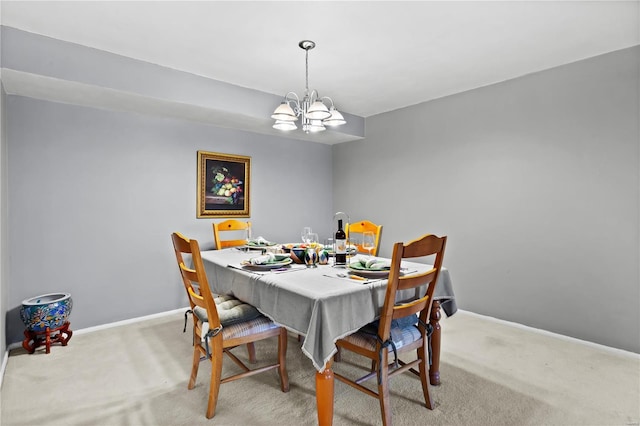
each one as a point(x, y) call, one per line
point(376, 264)
point(260, 241)
point(371, 263)
point(262, 260)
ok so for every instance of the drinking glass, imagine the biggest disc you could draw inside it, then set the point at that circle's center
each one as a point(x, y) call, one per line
point(328, 244)
point(248, 233)
point(306, 231)
point(368, 241)
point(330, 249)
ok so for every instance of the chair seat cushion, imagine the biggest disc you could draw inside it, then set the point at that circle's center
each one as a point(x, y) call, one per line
point(366, 337)
point(248, 328)
point(230, 310)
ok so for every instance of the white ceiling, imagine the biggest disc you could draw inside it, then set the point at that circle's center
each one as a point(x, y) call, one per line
point(371, 56)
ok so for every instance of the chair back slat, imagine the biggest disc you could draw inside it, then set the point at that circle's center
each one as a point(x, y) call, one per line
point(231, 243)
point(189, 274)
point(417, 280)
point(424, 247)
point(196, 299)
point(404, 310)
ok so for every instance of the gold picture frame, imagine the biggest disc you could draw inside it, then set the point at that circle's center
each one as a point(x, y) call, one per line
point(223, 185)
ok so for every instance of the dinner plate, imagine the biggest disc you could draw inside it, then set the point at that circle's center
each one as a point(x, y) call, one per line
point(270, 265)
point(289, 246)
point(254, 245)
point(369, 273)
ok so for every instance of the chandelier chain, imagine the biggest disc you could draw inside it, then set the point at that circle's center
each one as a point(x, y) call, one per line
point(306, 73)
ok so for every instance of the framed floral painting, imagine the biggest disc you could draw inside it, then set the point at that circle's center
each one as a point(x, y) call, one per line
point(223, 185)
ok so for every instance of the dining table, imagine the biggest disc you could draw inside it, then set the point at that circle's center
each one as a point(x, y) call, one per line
point(322, 303)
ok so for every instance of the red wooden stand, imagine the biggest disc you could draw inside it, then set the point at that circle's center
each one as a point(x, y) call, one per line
point(33, 339)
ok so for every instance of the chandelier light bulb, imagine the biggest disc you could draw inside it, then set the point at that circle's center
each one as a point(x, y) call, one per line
point(336, 118)
point(284, 112)
point(318, 111)
point(285, 125)
point(316, 126)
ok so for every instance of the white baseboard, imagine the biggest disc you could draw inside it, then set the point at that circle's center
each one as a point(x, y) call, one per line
point(5, 358)
point(617, 351)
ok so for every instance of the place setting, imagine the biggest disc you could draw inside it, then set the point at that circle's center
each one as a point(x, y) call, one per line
point(369, 266)
point(259, 243)
point(362, 270)
point(367, 269)
point(269, 263)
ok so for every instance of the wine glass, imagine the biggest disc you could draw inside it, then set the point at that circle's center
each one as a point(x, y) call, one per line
point(306, 232)
point(368, 241)
point(248, 233)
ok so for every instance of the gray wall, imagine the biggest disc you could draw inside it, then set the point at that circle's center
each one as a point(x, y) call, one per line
point(95, 194)
point(535, 181)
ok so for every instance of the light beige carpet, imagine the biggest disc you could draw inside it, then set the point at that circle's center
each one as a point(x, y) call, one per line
point(492, 374)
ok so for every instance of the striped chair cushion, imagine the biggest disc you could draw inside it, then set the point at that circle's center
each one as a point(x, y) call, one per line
point(247, 328)
point(230, 310)
point(401, 336)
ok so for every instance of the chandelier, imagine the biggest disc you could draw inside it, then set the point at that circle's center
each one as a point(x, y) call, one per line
point(312, 110)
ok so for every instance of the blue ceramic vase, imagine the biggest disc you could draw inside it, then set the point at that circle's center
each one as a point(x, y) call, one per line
point(323, 257)
point(46, 311)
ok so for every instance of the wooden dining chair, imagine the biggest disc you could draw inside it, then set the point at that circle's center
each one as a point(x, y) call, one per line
point(396, 331)
point(221, 324)
point(355, 231)
point(230, 225)
point(234, 227)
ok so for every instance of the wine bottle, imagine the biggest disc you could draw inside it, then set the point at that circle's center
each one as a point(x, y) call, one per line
point(341, 245)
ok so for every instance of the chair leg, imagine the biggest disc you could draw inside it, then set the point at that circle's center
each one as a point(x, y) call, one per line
point(282, 360)
point(194, 367)
point(424, 375)
point(216, 373)
point(337, 357)
point(383, 390)
point(251, 350)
